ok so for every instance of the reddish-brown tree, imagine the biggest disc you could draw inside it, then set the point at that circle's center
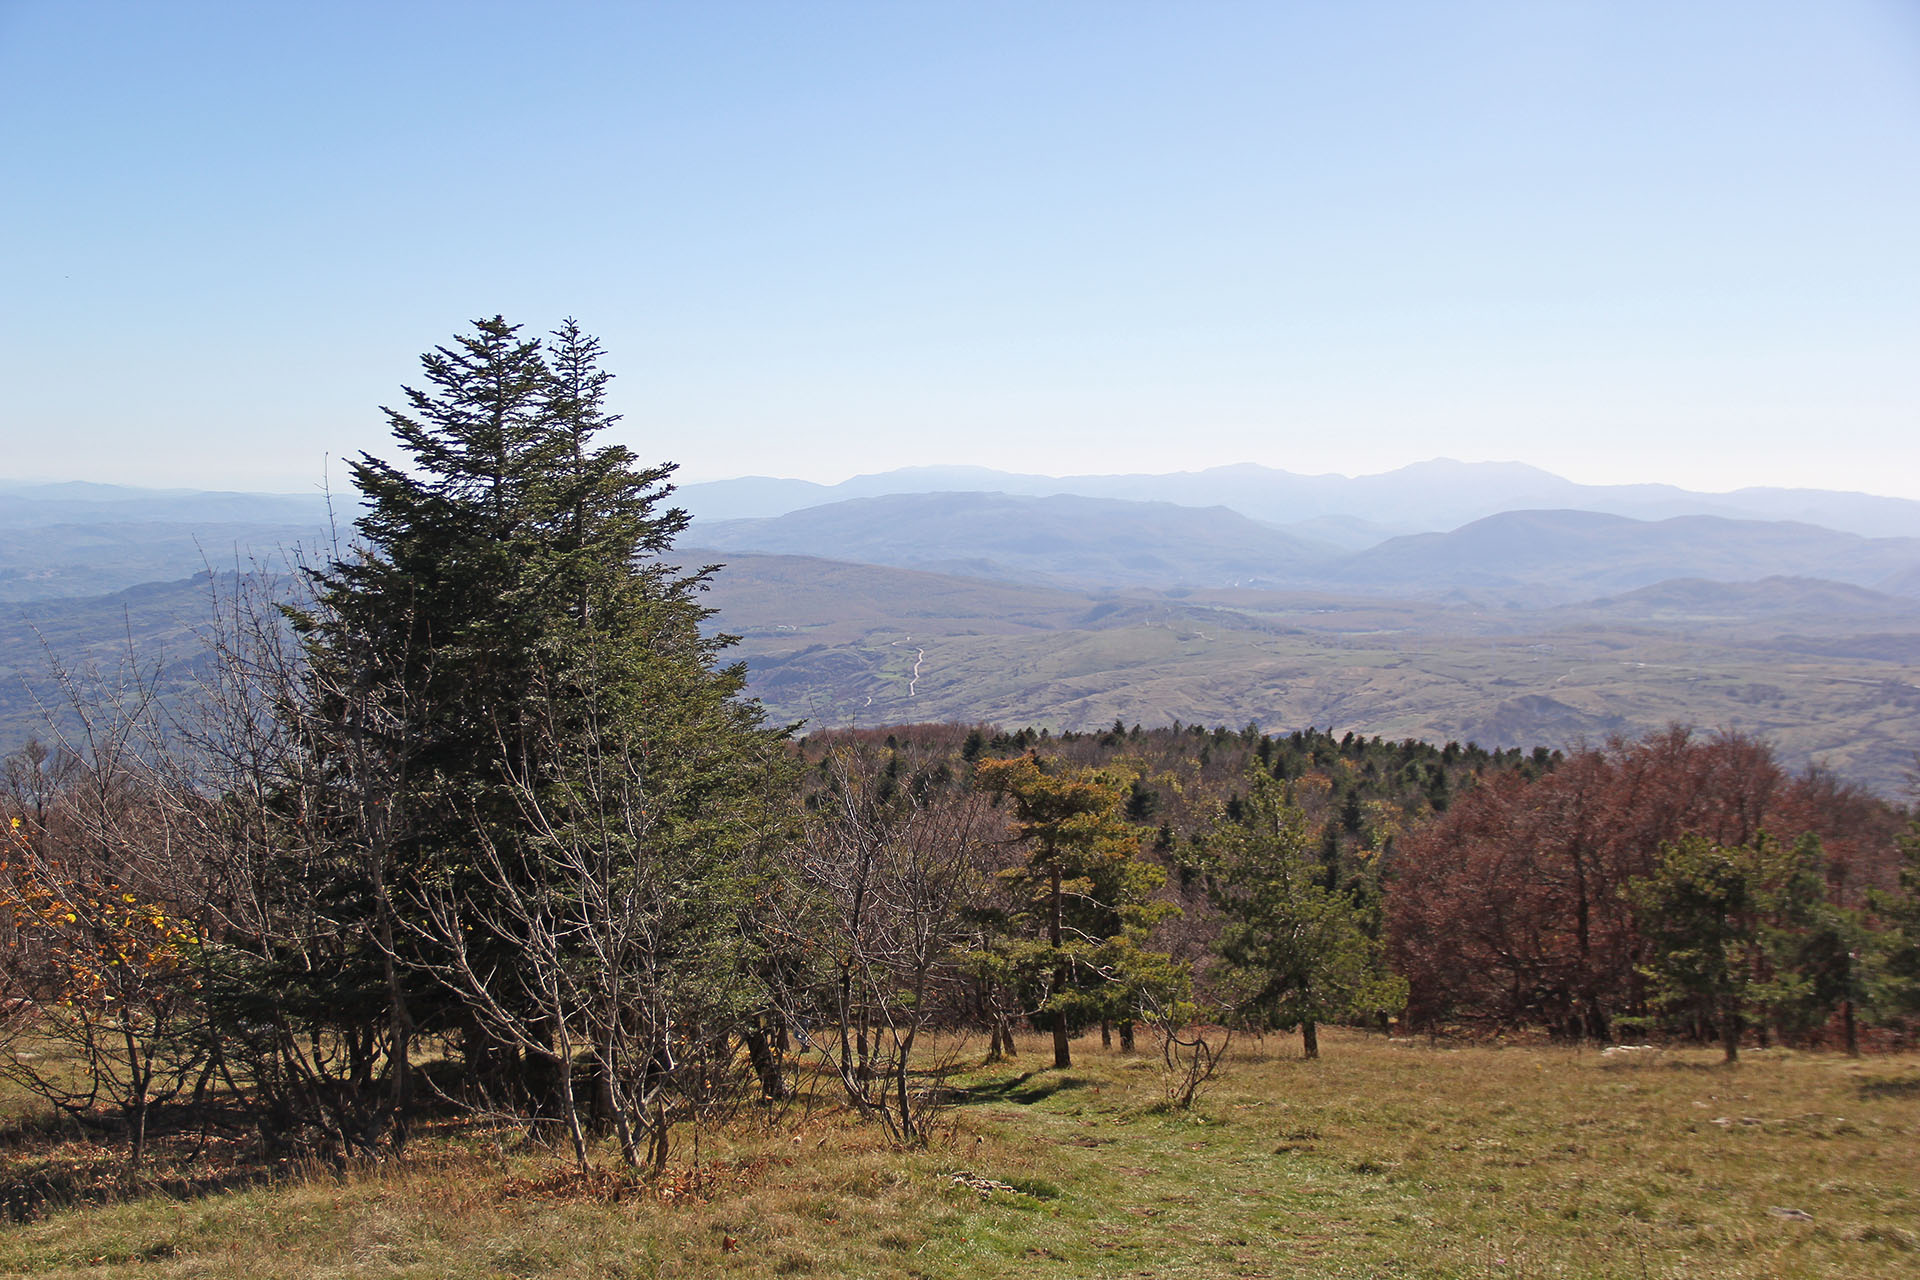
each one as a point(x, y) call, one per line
point(1511, 910)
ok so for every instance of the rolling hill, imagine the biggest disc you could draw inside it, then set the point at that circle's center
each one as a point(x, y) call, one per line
point(83, 540)
point(1062, 540)
point(1531, 627)
point(1544, 557)
point(835, 644)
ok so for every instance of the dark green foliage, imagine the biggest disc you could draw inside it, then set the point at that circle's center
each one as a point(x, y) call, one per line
point(1901, 943)
point(1296, 951)
point(1084, 894)
point(507, 546)
point(522, 689)
point(1748, 935)
point(1700, 911)
point(1808, 944)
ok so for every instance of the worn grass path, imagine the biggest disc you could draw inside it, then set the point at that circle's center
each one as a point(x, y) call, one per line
point(1379, 1160)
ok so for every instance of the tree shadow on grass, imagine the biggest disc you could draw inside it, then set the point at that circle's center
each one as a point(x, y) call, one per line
point(1021, 1090)
point(58, 1183)
point(50, 1164)
point(1908, 1087)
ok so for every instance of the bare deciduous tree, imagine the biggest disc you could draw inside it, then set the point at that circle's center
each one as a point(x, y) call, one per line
point(893, 858)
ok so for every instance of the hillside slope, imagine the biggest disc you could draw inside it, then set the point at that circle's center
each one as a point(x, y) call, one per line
point(1552, 557)
point(1062, 541)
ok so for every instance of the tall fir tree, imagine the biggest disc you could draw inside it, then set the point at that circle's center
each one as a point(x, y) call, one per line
point(543, 674)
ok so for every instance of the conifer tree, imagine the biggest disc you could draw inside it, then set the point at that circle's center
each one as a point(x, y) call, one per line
point(1295, 949)
point(553, 709)
point(1083, 883)
point(1900, 944)
point(1702, 913)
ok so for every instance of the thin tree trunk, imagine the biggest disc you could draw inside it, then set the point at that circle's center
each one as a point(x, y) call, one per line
point(1062, 1051)
point(140, 1077)
point(399, 1016)
point(657, 1147)
point(766, 1063)
point(570, 1109)
point(903, 1096)
point(616, 1099)
point(1310, 1038)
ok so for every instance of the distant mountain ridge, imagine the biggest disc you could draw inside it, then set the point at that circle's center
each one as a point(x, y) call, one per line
point(1548, 623)
point(1563, 556)
point(80, 540)
point(1682, 599)
point(1432, 496)
point(1062, 540)
point(1531, 558)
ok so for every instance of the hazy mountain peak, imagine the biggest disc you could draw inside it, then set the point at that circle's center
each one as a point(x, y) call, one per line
point(1059, 538)
point(1437, 494)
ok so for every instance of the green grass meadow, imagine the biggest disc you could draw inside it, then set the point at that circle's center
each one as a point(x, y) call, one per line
point(1383, 1158)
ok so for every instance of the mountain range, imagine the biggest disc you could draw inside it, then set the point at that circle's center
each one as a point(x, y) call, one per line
point(1062, 540)
point(1530, 558)
point(1279, 600)
point(76, 540)
point(1352, 511)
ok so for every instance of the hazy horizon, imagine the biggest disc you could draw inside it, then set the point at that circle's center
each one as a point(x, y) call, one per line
point(681, 479)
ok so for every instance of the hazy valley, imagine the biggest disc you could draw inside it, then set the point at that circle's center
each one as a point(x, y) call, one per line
point(1071, 610)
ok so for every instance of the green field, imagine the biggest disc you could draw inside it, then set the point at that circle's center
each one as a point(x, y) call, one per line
point(1384, 1158)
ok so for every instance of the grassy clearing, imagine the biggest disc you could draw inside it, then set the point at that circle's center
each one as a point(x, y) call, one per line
point(1379, 1160)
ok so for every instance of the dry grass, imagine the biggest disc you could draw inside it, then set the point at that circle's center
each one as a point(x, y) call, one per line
point(1379, 1160)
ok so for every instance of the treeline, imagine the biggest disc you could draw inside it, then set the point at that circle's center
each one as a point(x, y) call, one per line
point(1563, 892)
point(908, 883)
point(222, 912)
point(481, 819)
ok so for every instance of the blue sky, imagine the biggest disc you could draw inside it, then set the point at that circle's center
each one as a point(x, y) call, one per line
point(1623, 241)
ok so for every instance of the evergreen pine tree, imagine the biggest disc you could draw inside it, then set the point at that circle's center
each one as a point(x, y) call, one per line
point(1084, 884)
point(1294, 945)
point(1900, 944)
point(544, 681)
point(1701, 913)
